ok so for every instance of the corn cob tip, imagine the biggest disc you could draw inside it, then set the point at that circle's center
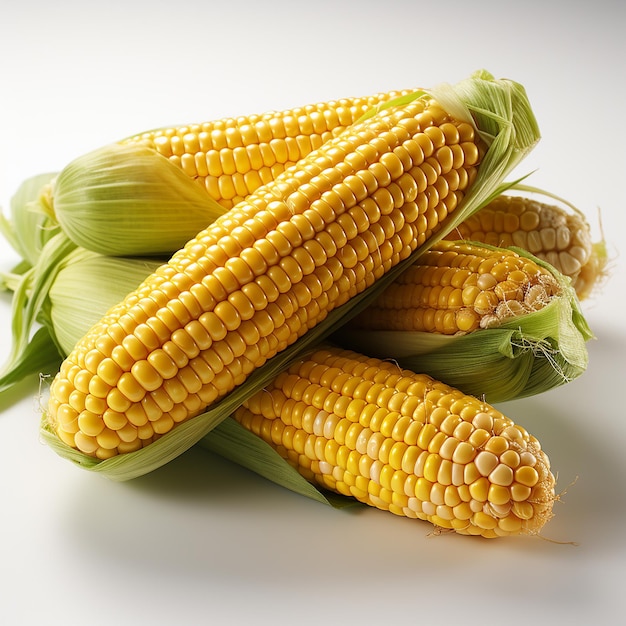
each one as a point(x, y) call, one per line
point(555, 232)
point(457, 287)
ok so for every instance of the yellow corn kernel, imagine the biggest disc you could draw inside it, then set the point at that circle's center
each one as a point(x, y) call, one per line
point(276, 310)
point(491, 286)
point(483, 500)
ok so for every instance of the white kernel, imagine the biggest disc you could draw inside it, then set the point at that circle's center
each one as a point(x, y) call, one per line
point(414, 504)
point(527, 458)
point(476, 505)
point(485, 462)
point(319, 423)
point(548, 238)
point(375, 469)
point(486, 281)
point(457, 474)
point(580, 253)
point(325, 468)
point(533, 241)
point(445, 512)
point(362, 440)
point(562, 237)
point(483, 421)
point(568, 263)
point(428, 508)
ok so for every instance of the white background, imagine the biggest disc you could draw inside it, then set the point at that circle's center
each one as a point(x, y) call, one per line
point(203, 541)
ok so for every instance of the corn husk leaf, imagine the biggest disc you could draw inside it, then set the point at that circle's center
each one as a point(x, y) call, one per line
point(524, 356)
point(33, 352)
point(86, 286)
point(233, 442)
point(127, 200)
point(504, 116)
point(29, 226)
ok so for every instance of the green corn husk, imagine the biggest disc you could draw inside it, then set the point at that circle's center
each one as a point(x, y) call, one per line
point(524, 356)
point(128, 200)
point(503, 115)
point(65, 293)
point(33, 350)
point(29, 226)
point(102, 282)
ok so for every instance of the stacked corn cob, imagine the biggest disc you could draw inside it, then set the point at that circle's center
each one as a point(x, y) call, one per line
point(315, 217)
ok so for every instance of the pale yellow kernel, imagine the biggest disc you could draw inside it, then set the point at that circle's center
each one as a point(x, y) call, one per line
point(523, 510)
point(463, 453)
point(458, 472)
point(486, 281)
point(502, 475)
point(479, 437)
point(446, 451)
point(476, 505)
point(514, 433)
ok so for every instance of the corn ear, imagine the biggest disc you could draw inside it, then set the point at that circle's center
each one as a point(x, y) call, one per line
point(502, 113)
point(150, 193)
point(521, 356)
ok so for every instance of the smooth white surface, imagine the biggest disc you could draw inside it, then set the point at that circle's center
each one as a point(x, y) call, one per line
point(202, 541)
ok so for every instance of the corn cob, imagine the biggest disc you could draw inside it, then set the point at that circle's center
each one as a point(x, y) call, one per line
point(234, 156)
point(548, 231)
point(458, 287)
point(402, 442)
point(258, 278)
